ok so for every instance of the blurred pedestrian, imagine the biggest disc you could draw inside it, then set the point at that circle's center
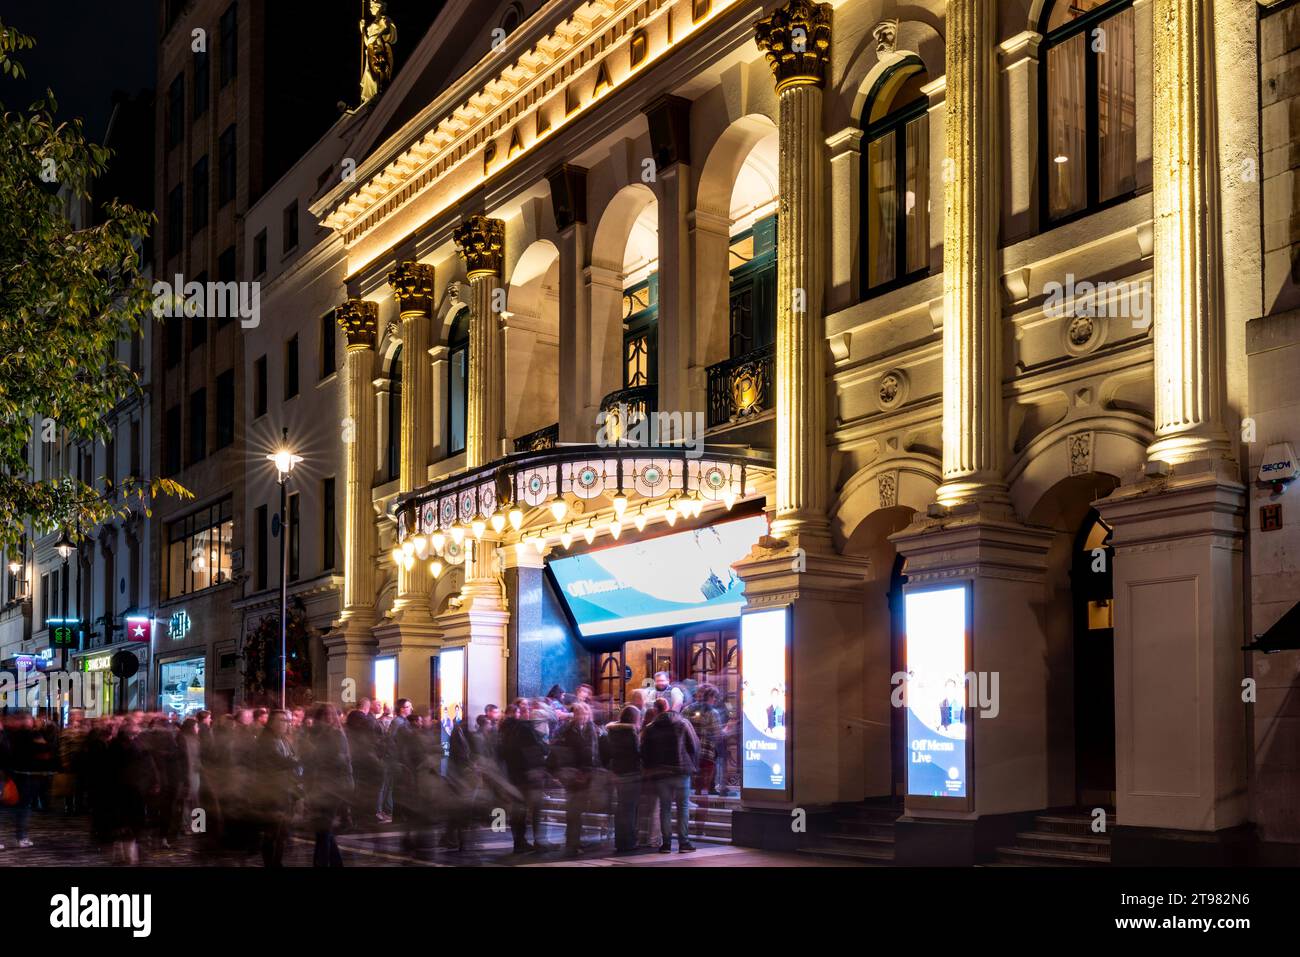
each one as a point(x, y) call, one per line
point(670, 755)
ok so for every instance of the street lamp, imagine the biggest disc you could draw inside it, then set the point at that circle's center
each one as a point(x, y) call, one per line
point(64, 545)
point(284, 460)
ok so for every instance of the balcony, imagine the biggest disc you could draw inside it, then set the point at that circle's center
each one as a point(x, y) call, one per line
point(742, 388)
point(547, 437)
point(626, 407)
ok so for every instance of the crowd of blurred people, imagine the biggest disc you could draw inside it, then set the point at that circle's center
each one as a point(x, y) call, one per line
point(245, 781)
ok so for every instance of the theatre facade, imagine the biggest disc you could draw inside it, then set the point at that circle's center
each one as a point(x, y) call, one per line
point(883, 367)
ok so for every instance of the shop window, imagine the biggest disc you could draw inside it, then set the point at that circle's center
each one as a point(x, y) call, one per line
point(1088, 111)
point(394, 459)
point(753, 287)
point(641, 333)
point(896, 179)
point(198, 549)
point(182, 686)
point(457, 383)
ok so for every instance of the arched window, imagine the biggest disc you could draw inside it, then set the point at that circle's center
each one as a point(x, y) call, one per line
point(753, 287)
point(896, 179)
point(1088, 107)
point(641, 332)
point(457, 382)
point(395, 414)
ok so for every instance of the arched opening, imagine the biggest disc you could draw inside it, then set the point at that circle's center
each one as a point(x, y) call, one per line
point(1088, 106)
point(896, 178)
point(393, 459)
point(624, 287)
point(1080, 655)
point(1092, 586)
point(532, 332)
point(752, 251)
point(457, 381)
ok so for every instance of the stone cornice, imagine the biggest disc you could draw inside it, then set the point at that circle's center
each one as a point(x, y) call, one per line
point(602, 41)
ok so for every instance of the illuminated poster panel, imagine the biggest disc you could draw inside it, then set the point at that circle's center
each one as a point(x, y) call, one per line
point(936, 692)
point(765, 720)
point(385, 682)
point(451, 691)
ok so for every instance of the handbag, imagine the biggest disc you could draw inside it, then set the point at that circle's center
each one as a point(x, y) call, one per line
point(9, 796)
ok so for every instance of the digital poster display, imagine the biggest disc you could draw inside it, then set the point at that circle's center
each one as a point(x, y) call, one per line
point(936, 691)
point(659, 582)
point(451, 692)
point(765, 719)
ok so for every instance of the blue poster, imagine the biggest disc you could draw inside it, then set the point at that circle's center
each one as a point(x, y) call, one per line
point(763, 700)
point(935, 692)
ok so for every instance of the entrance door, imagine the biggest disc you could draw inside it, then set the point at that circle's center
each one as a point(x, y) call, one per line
point(1092, 584)
point(713, 658)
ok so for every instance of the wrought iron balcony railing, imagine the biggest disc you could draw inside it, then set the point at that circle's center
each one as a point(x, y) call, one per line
point(547, 437)
point(626, 407)
point(742, 387)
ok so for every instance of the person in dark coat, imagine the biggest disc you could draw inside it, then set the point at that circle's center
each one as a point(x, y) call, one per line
point(366, 743)
point(327, 776)
point(523, 752)
point(99, 785)
point(620, 753)
point(670, 755)
point(164, 750)
point(135, 781)
point(21, 760)
point(575, 756)
point(279, 785)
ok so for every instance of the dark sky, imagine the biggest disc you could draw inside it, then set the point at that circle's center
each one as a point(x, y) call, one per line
point(85, 49)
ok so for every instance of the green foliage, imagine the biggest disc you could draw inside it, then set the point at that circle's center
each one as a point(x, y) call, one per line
point(67, 296)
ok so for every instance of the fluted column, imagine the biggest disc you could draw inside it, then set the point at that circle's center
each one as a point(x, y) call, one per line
point(359, 321)
point(796, 39)
point(972, 371)
point(482, 245)
point(412, 284)
point(1190, 371)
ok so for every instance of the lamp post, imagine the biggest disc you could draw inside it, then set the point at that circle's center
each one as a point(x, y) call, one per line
point(65, 546)
point(284, 461)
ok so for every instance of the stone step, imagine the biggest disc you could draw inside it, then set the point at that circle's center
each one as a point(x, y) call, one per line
point(1054, 840)
point(605, 823)
point(1050, 858)
point(1069, 823)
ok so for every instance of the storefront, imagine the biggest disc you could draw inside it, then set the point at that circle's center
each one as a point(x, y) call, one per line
point(668, 602)
point(182, 685)
point(101, 692)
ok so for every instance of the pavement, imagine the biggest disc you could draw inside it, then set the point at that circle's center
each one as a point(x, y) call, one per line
point(62, 841)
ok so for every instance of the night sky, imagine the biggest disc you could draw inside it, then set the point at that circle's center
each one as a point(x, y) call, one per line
point(85, 49)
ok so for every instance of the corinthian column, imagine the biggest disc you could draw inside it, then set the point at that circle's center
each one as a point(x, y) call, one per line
point(972, 368)
point(1189, 355)
point(412, 284)
point(796, 39)
point(350, 647)
point(482, 245)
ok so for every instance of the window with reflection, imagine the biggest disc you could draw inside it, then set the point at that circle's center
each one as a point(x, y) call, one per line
point(640, 332)
point(457, 382)
point(394, 462)
point(752, 258)
point(199, 549)
point(896, 179)
point(1089, 106)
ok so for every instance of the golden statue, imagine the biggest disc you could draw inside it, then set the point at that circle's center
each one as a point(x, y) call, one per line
point(377, 39)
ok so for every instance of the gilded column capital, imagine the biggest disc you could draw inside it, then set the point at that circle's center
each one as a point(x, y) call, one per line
point(797, 41)
point(482, 244)
point(359, 320)
point(412, 284)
